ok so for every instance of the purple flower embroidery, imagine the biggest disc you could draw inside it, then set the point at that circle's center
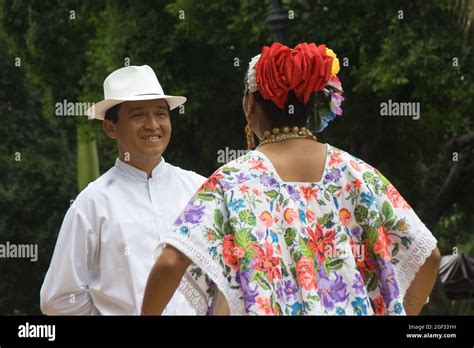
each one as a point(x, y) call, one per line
point(339, 290)
point(356, 231)
point(333, 175)
point(249, 294)
point(268, 180)
point(193, 213)
point(388, 284)
point(294, 193)
point(324, 291)
point(241, 177)
point(359, 284)
point(286, 289)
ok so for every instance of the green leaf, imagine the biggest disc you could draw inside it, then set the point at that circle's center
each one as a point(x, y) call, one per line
point(305, 249)
point(247, 217)
point(229, 170)
point(387, 210)
point(372, 234)
point(271, 194)
point(369, 178)
point(205, 196)
point(372, 281)
point(333, 189)
point(218, 218)
point(242, 237)
point(360, 213)
point(335, 264)
point(326, 220)
point(290, 235)
point(395, 250)
point(389, 223)
point(259, 277)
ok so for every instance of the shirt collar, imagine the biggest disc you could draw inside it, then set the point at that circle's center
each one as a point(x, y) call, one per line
point(138, 173)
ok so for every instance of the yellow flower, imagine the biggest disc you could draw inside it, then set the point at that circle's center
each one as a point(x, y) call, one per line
point(335, 62)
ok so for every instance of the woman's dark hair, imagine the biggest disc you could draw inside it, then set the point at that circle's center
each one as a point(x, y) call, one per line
point(294, 113)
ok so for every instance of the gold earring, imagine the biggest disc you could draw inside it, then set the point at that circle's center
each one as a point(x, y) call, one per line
point(250, 137)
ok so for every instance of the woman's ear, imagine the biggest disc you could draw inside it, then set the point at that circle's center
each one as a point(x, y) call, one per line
point(251, 105)
point(109, 129)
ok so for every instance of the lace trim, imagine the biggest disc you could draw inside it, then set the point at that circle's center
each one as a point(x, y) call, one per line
point(188, 287)
point(410, 262)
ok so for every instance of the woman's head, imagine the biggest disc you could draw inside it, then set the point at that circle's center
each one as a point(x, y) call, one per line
point(281, 85)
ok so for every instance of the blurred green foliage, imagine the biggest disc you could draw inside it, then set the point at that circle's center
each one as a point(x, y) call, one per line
point(194, 46)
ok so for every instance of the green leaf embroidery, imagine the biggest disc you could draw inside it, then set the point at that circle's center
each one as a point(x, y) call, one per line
point(229, 170)
point(271, 194)
point(333, 189)
point(372, 234)
point(290, 235)
point(360, 213)
point(326, 220)
point(389, 223)
point(395, 250)
point(305, 249)
point(259, 277)
point(247, 217)
point(218, 218)
point(372, 281)
point(335, 264)
point(205, 196)
point(369, 178)
point(387, 210)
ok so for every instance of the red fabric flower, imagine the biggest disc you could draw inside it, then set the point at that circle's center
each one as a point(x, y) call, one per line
point(305, 69)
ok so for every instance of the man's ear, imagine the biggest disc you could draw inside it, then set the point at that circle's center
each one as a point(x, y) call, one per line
point(109, 129)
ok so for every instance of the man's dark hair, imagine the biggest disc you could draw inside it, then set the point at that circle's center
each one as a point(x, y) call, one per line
point(112, 113)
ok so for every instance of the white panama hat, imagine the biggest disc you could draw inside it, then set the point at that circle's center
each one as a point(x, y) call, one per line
point(131, 83)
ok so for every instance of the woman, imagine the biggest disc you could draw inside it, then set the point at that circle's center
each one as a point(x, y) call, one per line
point(295, 227)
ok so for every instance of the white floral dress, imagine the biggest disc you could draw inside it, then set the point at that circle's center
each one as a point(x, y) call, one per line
point(346, 245)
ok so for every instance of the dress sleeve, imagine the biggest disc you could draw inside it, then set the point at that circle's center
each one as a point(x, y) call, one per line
point(400, 236)
point(202, 232)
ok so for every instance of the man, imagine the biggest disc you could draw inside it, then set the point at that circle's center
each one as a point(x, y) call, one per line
point(105, 248)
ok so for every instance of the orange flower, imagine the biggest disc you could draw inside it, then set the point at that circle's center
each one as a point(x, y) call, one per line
point(305, 274)
point(347, 187)
point(267, 262)
point(310, 215)
point(309, 192)
point(266, 218)
point(232, 253)
point(212, 182)
point(355, 165)
point(344, 216)
point(381, 245)
point(357, 183)
point(395, 198)
point(379, 304)
point(265, 305)
point(211, 235)
point(256, 164)
point(244, 188)
point(335, 159)
point(289, 215)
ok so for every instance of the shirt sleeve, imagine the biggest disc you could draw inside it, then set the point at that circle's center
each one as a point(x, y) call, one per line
point(201, 232)
point(395, 234)
point(65, 288)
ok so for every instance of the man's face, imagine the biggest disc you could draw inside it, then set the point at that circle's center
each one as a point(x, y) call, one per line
point(143, 129)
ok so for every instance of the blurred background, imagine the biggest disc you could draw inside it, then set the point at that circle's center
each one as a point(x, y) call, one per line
point(405, 51)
